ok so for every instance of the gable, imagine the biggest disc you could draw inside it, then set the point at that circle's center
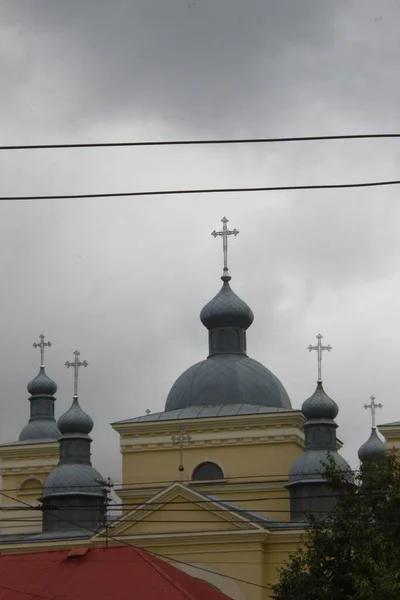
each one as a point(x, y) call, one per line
point(180, 509)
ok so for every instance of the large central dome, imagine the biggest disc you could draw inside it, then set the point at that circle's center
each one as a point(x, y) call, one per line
point(228, 375)
point(227, 379)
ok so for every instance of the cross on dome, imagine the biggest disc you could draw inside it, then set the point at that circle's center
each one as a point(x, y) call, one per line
point(42, 344)
point(319, 349)
point(75, 365)
point(373, 406)
point(224, 234)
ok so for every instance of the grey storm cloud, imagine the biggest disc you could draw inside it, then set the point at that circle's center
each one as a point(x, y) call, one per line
point(125, 279)
point(198, 63)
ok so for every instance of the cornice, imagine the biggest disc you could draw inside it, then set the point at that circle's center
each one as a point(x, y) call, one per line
point(49, 449)
point(138, 490)
point(295, 418)
point(190, 538)
point(268, 539)
point(149, 444)
point(286, 536)
point(14, 547)
point(390, 431)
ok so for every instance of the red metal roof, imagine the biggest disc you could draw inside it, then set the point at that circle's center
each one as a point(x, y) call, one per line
point(123, 573)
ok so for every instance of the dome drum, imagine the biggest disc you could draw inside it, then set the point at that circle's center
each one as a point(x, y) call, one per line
point(320, 435)
point(80, 513)
point(227, 340)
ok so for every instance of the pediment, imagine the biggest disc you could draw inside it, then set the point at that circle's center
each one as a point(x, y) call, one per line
point(180, 509)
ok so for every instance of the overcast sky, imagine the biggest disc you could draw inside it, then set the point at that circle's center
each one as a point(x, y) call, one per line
point(124, 280)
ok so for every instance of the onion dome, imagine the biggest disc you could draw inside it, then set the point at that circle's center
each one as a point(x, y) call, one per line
point(75, 420)
point(306, 481)
point(228, 375)
point(226, 309)
point(319, 405)
point(372, 449)
point(42, 425)
point(42, 385)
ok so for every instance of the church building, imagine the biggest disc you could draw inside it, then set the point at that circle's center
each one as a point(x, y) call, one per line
point(250, 465)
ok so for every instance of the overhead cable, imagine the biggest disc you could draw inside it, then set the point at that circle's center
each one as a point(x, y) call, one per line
point(209, 142)
point(181, 192)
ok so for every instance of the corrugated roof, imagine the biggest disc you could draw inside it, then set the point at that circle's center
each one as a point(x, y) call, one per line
point(126, 573)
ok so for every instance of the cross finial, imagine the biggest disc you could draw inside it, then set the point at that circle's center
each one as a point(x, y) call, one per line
point(373, 408)
point(41, 345)
point(224, 234)
point(76, 364)
point(181, 439)
point(319, 348)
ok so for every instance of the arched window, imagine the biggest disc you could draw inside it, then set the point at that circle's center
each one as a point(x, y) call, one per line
point(207, 471)
point(31, 486)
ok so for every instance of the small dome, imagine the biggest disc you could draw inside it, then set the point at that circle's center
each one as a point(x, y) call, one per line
point(42, 385)
point(319, 405)
point(40, 429)
point(67, 479)
point(75, 420)
point(226, 309)
point(310, 465)
point(372, 448)
point(227, 379)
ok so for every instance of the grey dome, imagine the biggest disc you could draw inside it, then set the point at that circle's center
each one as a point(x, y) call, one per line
point(227, 379)
point(42, 385)
point(372, 448)
point(310, 465)
point(40, 429)
point(226, 309)
point(319, 405)
point(75, 420)
point(67, 479)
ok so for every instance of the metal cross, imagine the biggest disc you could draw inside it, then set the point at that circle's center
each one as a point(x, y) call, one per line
point(181, 439)
point(373, 408)
point(41, 345)
point(224, 234)
point(76, 364)
point(319, 348)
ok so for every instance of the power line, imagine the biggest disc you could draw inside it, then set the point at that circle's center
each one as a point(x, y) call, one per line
point(187, 192)
point(209, 142)
point(168, 558)
point(273, 478)
point(31, 594)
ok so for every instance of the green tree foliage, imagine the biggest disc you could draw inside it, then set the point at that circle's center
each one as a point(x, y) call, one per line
point(352, 553)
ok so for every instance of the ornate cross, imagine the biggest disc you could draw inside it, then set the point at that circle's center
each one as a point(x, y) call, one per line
point(76, 364)
point(41, 345)
point(224, 234)
point(181, 439)
point(373, 408)
point(319, 348)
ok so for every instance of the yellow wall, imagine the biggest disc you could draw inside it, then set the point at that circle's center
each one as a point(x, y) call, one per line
point(255, 454)
point(24, 467)
point(391, 432)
